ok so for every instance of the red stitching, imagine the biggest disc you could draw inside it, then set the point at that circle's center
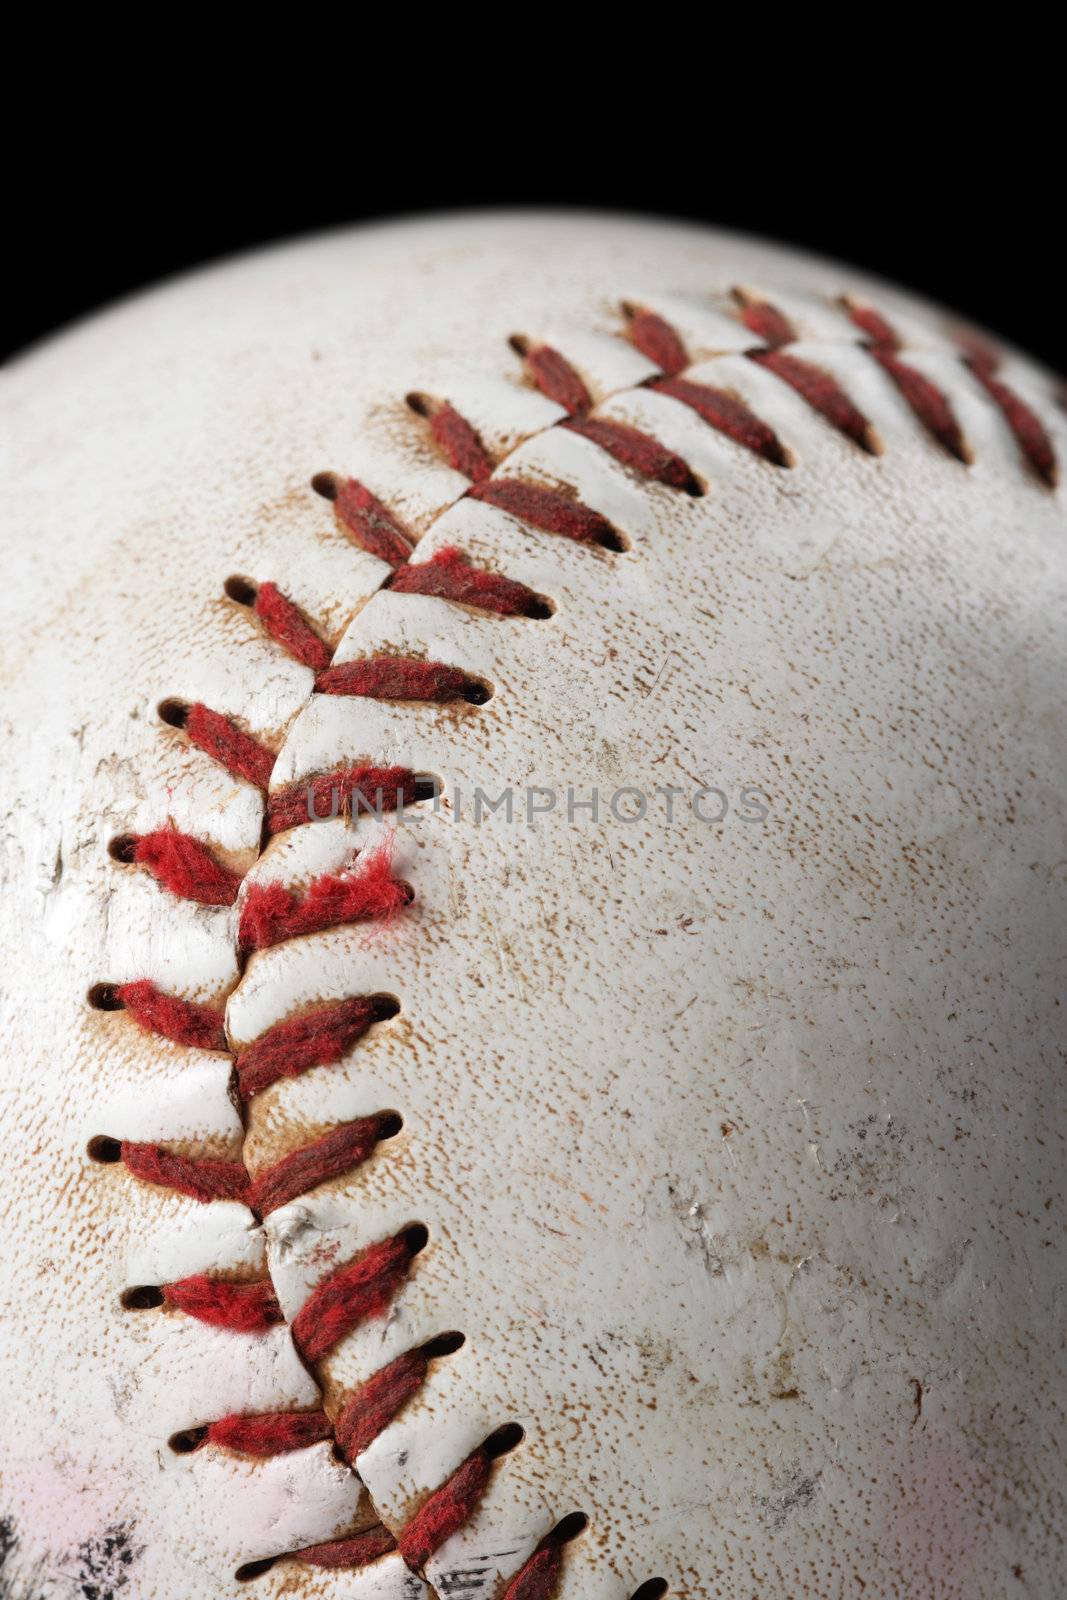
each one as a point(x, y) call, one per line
point(822, 393)
point(379, 1400)
point(727, 415)
point(926, 400)
point(361, 1289)
point(764, 319)
point(290, 628)
point(344, 793)
point(657, 340)
point(446, 1510)
point(374, 526)
point(358, 1550)
point(183, 865)
point(637, 450)
point(272, 913)
point(200, 1180)
point(299, 1043)
point(548, 510)
point(339, 1151)
point(183, 1021)
point(555, 377)
point(539, 1577)
point(459, 443)
point(241, 1307)
point(272, 1433)
point(219, 737)
point(396, 678)
point(449, 576)
point(1034, 443)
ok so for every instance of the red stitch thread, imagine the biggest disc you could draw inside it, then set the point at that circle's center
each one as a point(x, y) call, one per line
point(547, 509)
point(657, 340)
point(556, 378)
point(449, 576)
point(635, 449)
point(445, 1511)
point(459, 443)
point(727, 415)
point(378, 1402)
point(343, 793)
point(358, 1551)
point(290, 628)
point(229, 745)
point(538, 1578)
point(395, 678)
point(272, 913)
point(312, 1040)
point(873, 324)
point(821, 393)
point(375, 528)
point(765, 320)
point(1034, 443)
point(273, 1433)
point(926, 400)
point(186, 867)
point(242, 1307)
point(338, 1151)
point(359, 1290)
point(200, 1180)
point(182, 1021)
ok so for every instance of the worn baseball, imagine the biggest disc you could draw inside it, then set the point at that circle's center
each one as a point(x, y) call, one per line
point(533, 933)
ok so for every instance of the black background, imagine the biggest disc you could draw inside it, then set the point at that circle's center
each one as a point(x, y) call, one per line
point(945, 189)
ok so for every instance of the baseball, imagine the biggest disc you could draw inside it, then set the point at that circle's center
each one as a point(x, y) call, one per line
point(533, 932)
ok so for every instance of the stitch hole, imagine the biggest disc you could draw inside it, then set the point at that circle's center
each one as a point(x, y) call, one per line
point(144, 1297)
point(567, 1528)
point(175, 713)
point(694, 487)
point(476, 693)
point(254, 1569)
point(384, 1006)
point(444, 1344)
point(188, 1440)
point(416, 1238)
point(421, 404)
point(328, 484)
point(652, 1589)
point(103, 1148)
point(427, 786)
point(122, 848)
point(504, 1440)
point(105, 997)
point(540, 608)
point(389, 1124)
point(243, 590)
point(407, 891)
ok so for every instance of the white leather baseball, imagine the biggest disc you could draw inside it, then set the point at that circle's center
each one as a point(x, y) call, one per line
point(739, 1142)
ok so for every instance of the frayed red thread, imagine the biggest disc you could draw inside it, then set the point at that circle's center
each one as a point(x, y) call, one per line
point(359, 1290)
point(336, 1152)
point(378, 1402)
point(241, 1307)
point(635, 449)
point(556, 378)
point(200, 1180)
point(449, 576)
point(289, 628)
point(227, 744)
point(727, 415)
point(1030, 435)
point(822, 393)
point(445, 1511)
point(395, 678)
point(459, 443)
point(272, 913)
point(925, 399)
point(186, 867)
point(272, 1433)
point(657, 340)
point(538, 1578)
point(765, 320)
point(182, 1021)
point(873, 324)
point(547, 509)
point(345, 793)
point(374, 527)
point(357, 1551)
point(312, 1040)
